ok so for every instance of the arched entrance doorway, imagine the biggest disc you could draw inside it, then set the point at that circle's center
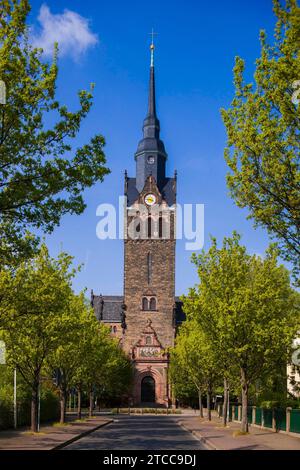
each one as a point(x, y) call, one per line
point(148, 390)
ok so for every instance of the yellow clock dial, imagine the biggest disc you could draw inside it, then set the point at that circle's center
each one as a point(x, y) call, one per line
point(150, 199)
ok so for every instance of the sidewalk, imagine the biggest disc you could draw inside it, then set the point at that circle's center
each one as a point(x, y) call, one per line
point(216, 437)
point(50, 437)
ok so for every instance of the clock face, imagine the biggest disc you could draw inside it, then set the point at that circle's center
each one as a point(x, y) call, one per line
point(151, 160)
point(150, 199)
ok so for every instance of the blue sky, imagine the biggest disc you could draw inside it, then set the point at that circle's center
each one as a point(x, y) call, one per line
point(195, 52)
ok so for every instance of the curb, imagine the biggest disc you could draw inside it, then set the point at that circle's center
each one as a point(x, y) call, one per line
point(204, 440)
point(80, 436)
point(200, 437)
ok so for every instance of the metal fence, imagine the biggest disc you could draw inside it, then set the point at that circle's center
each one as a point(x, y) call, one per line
point(278, 419)
point(295, 421)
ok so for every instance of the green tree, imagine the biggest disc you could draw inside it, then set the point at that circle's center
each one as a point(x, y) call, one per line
point(263, 135)
point(194, 355)
point(114, 378)
point(41, 175)
point(65, 360)
point(245, 306)
point(183, 388)
point(39, 317)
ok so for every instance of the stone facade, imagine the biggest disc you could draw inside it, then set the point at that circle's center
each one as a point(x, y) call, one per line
point(146, 316)
point(149, 274)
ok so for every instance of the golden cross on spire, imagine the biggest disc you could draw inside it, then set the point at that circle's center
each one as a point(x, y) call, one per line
point(152, 47)
point(152, 34)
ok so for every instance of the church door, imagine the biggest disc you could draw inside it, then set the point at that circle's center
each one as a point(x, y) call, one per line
point(148, 390)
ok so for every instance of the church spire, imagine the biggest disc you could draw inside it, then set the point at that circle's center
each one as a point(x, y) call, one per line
point(151, 154)
point(152, 103)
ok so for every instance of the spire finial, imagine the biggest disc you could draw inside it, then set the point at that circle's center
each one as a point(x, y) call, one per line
point(152, 47)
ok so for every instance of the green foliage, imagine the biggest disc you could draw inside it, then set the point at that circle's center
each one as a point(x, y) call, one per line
point(67, 356)
point(88, 357)
point(49, 405)
point(49, 401)
point(263, 135)
point(42, 176)
point(47, 328)
point(183, 387)
point(115, 376)
point(245, 305)
point(36, 315)
point(246, 309)
point(193, 357)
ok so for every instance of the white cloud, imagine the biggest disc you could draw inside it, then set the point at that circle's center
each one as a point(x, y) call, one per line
point(70, 30)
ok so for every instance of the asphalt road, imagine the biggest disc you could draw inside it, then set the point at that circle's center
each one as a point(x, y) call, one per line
point(139, 432)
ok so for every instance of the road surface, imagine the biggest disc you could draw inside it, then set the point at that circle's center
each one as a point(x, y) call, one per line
point(139, 432)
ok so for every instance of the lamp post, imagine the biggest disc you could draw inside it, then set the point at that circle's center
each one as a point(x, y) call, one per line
point(15, 400)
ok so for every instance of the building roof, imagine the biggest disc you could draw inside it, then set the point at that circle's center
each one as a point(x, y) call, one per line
point(109, 308)
point(168, 193)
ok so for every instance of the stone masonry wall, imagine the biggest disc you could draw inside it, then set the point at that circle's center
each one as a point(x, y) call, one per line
point(162, 286)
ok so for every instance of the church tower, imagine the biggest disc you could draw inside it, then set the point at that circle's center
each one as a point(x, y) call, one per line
point(145, 318)
point(149, 271)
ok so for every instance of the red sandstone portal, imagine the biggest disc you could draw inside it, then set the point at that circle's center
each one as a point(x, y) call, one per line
point(151, 365)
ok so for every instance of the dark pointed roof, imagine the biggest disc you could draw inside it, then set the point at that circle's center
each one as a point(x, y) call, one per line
point(152, 101)
point(151, 128)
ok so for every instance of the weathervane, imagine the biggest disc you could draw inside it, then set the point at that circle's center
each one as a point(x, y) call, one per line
point(152, 47)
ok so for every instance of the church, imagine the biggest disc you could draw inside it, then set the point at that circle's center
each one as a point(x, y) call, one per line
point(146, 316)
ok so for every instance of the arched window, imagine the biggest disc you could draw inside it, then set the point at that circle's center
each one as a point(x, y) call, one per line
point(145, 304)
point(152, 303)
point(115, 329)
point(149, 227)
point(148, 340)
point(160, 226)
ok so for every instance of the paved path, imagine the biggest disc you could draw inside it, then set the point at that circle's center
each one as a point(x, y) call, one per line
point(140, 432)
point(218, 438)
point(49, 437)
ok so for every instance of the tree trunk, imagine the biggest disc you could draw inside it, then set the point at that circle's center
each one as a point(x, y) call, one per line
point(34, 408)
point(91, 408)
point(79, 404)
point(245, 386)
point(209, 403)
point(63, 404)
point(200, 403)
point(225, 404)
